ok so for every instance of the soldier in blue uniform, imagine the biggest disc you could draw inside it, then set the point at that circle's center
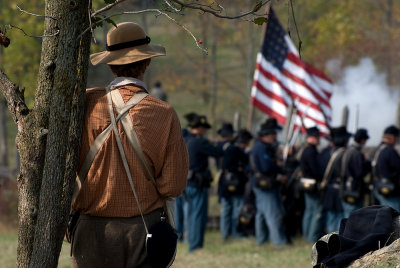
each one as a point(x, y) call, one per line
point(386, 169)
point(232, 181)
point(265, 183)
point(312, 224)
point(331, 181)
point(354, 168)
point(226, 138)
point(199, 178)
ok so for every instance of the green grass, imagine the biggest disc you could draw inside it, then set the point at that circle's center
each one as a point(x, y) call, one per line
point(216, 253)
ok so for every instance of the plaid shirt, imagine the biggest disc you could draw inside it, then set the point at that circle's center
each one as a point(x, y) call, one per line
point(106, 191)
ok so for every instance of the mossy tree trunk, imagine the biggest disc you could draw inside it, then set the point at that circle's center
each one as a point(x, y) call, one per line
point(49, 135)
point(3, 133)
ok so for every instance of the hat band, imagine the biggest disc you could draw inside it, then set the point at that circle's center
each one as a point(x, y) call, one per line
point(133, 43)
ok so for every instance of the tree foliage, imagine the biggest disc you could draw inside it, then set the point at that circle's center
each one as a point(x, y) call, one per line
point(348, 31)
point(21, 59)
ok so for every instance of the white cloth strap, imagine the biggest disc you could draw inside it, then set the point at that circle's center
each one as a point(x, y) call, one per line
point(122, 153)
point(131, 134)
point(134, 141)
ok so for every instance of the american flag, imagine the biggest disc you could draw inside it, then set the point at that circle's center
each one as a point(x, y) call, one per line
point(281, 79)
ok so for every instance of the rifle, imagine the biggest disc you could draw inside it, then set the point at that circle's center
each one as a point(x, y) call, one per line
point(290, 131)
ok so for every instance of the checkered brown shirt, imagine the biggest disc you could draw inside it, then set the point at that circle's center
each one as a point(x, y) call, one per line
point(106, 191)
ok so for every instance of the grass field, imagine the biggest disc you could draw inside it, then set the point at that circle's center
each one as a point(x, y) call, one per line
point(216, 253)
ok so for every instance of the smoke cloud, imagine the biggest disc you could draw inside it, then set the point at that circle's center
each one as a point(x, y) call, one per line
point(362, 88)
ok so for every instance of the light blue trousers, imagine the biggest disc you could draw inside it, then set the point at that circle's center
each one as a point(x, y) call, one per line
point(312, 224)
point(229, 219)
point(269, 217)
point(197, 216)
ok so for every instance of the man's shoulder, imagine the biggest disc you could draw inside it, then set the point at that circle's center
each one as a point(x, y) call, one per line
point(158, 104)
point(389, 150)
point(94, 90)
point(310, 148)
point(308, 151)
point(258, 147)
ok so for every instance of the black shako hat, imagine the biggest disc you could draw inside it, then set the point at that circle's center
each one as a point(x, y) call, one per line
point(269, 126)
point(392, 130)
point(226, 130)
point(313, 131)
point(243, 136)
point(340, 134)
point(361, 134)
point(195, 120)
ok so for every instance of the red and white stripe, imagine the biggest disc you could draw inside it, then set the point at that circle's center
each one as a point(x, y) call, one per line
point(274, 90)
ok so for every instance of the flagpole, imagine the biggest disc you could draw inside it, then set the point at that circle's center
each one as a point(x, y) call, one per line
point(251, 106)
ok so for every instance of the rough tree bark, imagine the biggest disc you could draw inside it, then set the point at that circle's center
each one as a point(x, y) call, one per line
point(3, 133)
point(48, 136)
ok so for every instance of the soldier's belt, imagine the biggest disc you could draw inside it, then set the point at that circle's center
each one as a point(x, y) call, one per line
point(308, 183)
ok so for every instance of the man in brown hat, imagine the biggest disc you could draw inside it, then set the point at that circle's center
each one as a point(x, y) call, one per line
point(111, 230)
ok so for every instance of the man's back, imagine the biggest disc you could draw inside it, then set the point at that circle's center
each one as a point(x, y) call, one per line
point(106, 191)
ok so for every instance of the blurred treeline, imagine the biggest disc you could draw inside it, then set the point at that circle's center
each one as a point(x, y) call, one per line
point(217, 84)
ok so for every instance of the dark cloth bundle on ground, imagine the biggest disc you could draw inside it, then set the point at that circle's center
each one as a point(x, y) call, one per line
point(367, 229)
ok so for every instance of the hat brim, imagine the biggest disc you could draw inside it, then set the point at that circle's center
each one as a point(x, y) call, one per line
point(206, 125)
point(341, 138)
point(264, 132)
point(127, 55)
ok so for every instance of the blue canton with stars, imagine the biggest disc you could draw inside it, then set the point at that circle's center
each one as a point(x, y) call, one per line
point(274, 48)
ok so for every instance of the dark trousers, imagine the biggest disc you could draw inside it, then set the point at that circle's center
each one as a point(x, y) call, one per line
point(111, 242)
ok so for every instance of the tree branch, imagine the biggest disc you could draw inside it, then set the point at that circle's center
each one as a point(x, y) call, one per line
point(210, 7)
point(215, 12)
point(36, 36)
point(195, 6)
point(14, 97)
point(90, 21)
point(108, 7)
point(158, 13)
point(23, 11)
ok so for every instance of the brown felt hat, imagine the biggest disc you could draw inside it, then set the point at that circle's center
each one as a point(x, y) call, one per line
point(127, 43)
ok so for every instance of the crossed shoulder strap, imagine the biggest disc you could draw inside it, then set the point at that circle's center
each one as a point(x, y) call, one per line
point(115, 96)
point(99, 141)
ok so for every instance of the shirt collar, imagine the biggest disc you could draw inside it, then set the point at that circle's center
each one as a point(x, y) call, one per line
point(122, 81)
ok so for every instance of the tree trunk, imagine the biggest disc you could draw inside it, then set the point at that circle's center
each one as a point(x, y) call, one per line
point(64, 132)
point(48, 137)
point(3, 134)
point(3, 122)
point(214, 77)
point(144, 5)
point(251, 60)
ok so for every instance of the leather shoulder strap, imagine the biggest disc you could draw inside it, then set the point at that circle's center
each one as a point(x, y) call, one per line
point(329, 168)
point(376, 157)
